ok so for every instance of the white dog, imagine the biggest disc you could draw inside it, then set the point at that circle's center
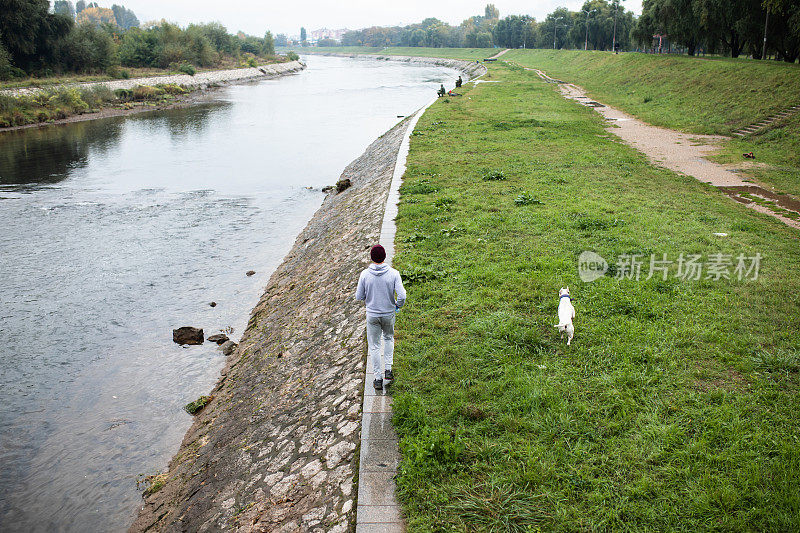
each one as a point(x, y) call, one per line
point(565, 314)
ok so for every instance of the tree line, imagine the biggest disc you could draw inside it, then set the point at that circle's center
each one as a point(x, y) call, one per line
point(732, 27)
point(87, 38)
point(727, 27)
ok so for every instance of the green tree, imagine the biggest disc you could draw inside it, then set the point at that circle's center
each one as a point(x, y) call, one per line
point(491, 12)
point(125, 18)
point(269, 45)
point(555, 29)
point(97, 16)
point(80, 5)
point(64, 7)
point(726, 21)
point(30, 34)
point(483, 40)
point(139, 48)
point(281, 40)
point(515, 31)
point(783, 29)
point(87, 49)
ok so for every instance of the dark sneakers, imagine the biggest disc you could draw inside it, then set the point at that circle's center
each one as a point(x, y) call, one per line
point(378, 384)
point(389, 375)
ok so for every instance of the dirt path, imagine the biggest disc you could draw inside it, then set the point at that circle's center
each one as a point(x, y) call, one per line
point(681, 152)
point(498, 54)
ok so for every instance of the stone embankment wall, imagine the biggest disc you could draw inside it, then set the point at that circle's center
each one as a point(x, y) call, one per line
point(471, 69)
point(201, 80)
point(274, 450)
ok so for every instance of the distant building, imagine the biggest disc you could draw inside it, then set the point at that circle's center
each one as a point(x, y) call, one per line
point(314, 36)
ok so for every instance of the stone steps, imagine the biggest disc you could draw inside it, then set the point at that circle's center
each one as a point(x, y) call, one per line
point(758, 126)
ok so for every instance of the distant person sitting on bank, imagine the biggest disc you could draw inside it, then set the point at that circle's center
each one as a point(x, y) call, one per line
point(459, 81)
point(441, 92)
point(381, 287)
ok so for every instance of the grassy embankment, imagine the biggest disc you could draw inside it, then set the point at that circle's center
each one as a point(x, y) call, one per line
point(713, 96)
point(676, 408)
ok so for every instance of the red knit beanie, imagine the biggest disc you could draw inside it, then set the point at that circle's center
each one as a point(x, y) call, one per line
point(377, 254)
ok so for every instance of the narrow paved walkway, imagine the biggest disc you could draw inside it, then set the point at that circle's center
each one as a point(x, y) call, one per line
point(378, 510)
point(681, 152)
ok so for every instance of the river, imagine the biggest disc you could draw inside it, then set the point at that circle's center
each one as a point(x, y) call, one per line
point(116, 231)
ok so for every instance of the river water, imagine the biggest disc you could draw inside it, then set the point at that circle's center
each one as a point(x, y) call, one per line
point(115, 231)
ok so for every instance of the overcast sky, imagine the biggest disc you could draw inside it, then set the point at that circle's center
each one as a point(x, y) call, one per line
point(256, 17)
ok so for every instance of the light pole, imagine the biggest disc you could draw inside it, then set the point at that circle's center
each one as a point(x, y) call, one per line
point(614, 39)
point(764, 46)
point(586, 42)
point(556, 25)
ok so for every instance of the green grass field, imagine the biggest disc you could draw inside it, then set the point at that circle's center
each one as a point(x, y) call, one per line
point(698, 95)
point(676, 408)
point(714, 96)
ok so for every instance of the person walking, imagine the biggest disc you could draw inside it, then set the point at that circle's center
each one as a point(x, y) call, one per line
point(381, 288)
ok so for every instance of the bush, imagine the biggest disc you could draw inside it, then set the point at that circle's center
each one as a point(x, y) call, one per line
point(18, 119)
point(7, 70)
point(124, 94)
point(70, 98)
point(144, 92)
point(172, 88)
point(292, 56)
point(186, 68)
point(117, 73)
point(97, 95)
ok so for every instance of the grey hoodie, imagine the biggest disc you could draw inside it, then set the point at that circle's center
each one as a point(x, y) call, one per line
point(378, 285)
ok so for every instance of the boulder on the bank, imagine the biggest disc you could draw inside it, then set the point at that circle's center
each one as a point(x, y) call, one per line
point(328, 188)
point(343, 184)
point(219, 338)
point(187, 335)
point(249, 273)
point(228, 347)
point(213, 304)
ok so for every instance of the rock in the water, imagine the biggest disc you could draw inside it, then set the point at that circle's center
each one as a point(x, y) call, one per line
point(219, 338)
point(213, 304)
point(343, 184)
point(249, 272)
point(328, 188)
point(228, 347)
point(187, 335)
